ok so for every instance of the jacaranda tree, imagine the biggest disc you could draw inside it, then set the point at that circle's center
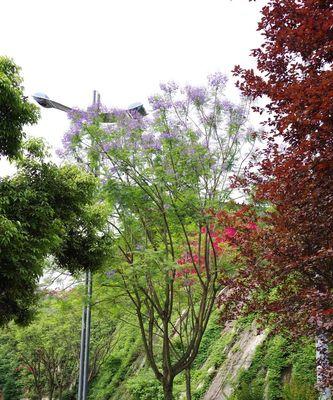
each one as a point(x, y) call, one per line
point(162, 174)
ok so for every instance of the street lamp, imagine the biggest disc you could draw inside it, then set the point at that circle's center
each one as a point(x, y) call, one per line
point(43, 100)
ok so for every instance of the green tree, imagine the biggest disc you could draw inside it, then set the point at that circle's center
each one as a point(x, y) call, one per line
point(10, 386)
point(39, 206)
point(15, 110)
point(44, 356)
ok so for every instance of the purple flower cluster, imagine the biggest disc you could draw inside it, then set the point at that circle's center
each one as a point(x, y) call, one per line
point(113, 145)
point(149, 142)
point(180, 105)
point(168, 135)
point(159, 103)
point(123, 121)
point(226, 105)
point(169, 87)
point(217, 80)
point(79, 120)
point(197, 95)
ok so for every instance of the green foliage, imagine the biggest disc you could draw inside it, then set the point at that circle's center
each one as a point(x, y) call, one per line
point(296, 390)
point(276, 361)
point(10, 384)
point(280, 370)
point(110, 383)
point(15, 110)
point(145, 387)
point(211, 336)
point(40, 207)
point(42, 359)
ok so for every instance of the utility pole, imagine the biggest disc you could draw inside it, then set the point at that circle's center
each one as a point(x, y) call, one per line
point(86, 321)
point(85, 340)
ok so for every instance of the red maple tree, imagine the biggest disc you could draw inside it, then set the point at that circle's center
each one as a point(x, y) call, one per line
point(294, 71)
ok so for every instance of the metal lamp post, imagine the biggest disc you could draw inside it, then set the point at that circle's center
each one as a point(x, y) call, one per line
point(43, 100)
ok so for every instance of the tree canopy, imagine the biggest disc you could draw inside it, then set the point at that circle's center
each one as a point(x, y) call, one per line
point(15, 110)
point(40, 207)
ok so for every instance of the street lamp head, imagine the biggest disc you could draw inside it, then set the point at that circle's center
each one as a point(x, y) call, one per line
point(137, 108)
point(43, 100)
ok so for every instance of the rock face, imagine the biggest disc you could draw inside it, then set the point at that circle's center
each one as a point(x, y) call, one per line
point(239, 357)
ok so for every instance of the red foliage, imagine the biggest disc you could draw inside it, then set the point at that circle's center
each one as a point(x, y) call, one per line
point(296, 174)
point(227, 230)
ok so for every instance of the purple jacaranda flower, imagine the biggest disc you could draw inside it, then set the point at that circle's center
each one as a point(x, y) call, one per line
point(181, 105)
point(168, 135)
point(106, 147)
point(79, 120)
point(197, 95)
point(118, 113)
point(149, 142)
point(159, 103)
point(112, 145)
point(217, 80)
point(226, 105)
point(68, 136)
point(238, 114)
point(156, 145)
point(110, 128)
point(148, 137)
point(169, 87)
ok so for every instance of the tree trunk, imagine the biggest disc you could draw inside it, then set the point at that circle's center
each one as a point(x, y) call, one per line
point(188, 383)
point(322, 362)
point(168, 389)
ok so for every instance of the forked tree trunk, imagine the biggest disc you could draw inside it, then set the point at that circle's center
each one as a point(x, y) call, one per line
point(188, 384)
point(168, 389)
point(322, 362)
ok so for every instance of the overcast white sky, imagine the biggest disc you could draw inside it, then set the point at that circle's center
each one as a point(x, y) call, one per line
point(122, 48)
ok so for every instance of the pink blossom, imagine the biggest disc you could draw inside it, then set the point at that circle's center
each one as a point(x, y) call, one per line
point(230, 232)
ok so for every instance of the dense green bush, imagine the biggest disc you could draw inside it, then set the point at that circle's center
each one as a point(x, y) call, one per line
point(9, 370)
point(145, 387)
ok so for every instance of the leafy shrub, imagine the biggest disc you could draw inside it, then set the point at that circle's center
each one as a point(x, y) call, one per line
point(145, 387)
